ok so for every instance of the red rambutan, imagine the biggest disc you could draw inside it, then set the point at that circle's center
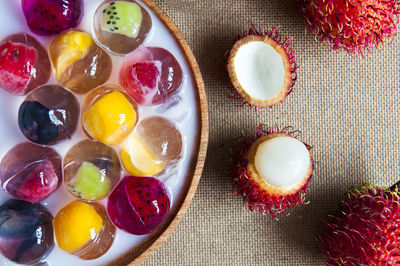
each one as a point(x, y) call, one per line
point(356, 26)
point(271, 170)
point(262, 66)
point(365, 229)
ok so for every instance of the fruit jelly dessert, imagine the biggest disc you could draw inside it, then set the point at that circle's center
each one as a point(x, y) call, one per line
point(30, 172)
point(50, 17)
point(109, 114)
point(151, 75)
point(80, 64)
point(155, 144)
point(121, 26)
point(84, 229)
point(91, 170)
point(138, 205)
point(26, 231)
point(24, 64)
point(48, 115)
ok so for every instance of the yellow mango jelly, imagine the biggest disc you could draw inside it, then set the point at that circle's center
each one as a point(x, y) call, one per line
point(69, 47)
point(111, 118)
point(138, 159)
point(76, 224)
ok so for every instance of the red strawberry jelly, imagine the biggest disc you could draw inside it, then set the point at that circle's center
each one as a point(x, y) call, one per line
point(138, 205)
point(50, 17)
point(150, 75)
point(24, 64)
point(30, 172)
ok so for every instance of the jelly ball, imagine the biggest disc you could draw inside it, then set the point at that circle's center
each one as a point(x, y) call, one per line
point(91, 170)
point(121, 26)
point(26, 231)
point(151, 75)
point(24, 64)
point(48, 115)
point(138, 205)
point(156, 144)
point(84, 229)
point(79, 63)
point(30, 172)
point(109, 114)
point(50, 17)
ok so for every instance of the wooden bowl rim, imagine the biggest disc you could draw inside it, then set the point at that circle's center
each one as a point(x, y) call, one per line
point(139, 253)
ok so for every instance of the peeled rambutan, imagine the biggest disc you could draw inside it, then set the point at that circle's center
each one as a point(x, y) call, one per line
point(365, 229)
point(271, 170)
point(356, 26)
point(262, 66)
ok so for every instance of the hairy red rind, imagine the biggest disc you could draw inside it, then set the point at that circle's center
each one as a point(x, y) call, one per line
point(365, 229)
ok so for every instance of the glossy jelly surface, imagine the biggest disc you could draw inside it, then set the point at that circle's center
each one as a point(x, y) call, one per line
point(48, 115)
point(80, 64)
point(26, 231)
point(91, 170)
point(24, 64)
point(109, 114)
point(150, 75)
point(49, 17)
point(83, 229)
point(30, 172)
point(121, 26)
point(155, 144)
point(138, 205)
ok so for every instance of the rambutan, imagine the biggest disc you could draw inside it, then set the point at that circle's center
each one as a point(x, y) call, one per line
point(271, 170)
point(365, 229)
point(356, 26)
point(262, 66)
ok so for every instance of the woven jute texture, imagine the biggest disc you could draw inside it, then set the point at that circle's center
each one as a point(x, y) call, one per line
point(347, 108)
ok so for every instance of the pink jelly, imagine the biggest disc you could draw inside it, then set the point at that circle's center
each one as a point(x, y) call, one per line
point(138, 205)
point(150, 75)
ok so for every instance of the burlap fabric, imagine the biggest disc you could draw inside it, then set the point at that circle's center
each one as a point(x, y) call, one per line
point(347, 109)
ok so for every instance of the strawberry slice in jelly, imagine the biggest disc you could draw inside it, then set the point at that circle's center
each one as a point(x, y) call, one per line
point(40, 183)
point(17, 66)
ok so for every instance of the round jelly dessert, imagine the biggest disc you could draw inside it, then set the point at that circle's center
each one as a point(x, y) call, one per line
point(138, 205)
point(91, 170)
point(109, 114)
point(151, 75)
point(49, 17)
point(83, 229)
point(121, 26)
point(30, 172)
point(26, 231)
point(155, 144)
point(80, 64)
point(24, 64)
point(49, 115)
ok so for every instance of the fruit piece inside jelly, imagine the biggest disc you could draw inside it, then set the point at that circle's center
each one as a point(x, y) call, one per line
point(110, 118)
point(76, 224)
point(90, 182)
point(138, 159)
point(122, 17)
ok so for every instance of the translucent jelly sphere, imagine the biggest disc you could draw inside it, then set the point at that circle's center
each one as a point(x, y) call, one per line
point(80, 65)
point(109, 114)
point(121, 26)
point(49, 17)
point(48, 115)
point(155, 145)
point(26, 231)
point(30, 172)
point(24, 64)
point(151, 75)
point(138, 205)
point(84, 229)
point(91, 170)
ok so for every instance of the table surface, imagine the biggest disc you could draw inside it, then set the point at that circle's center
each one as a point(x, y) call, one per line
point(346, 107)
